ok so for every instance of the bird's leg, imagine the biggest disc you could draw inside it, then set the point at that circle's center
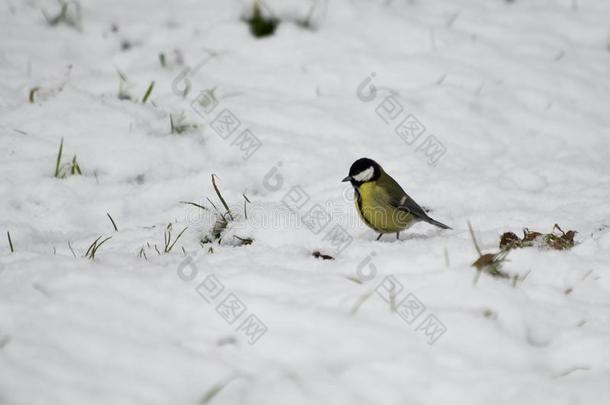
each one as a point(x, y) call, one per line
point(397, 235)
point(379, 237)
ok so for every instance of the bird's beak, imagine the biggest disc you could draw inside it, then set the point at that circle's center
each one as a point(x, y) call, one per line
point(348, 178)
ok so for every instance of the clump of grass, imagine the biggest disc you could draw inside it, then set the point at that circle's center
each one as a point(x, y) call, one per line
point(179, 125)
point(149, 91)
point(557, 239)
point(261, 25)
point(10, 242)
point(93, 248)
point(223, 218)
point(71, 168)
point(69, 14)
point(491, 263)
point(167, 237)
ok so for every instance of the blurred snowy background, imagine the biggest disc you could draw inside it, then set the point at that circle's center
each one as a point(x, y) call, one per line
point(494, 112)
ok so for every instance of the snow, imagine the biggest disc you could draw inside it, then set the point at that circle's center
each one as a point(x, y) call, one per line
point(515, 96)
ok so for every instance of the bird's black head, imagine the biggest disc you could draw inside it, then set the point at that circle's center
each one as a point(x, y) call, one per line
point(363, 170)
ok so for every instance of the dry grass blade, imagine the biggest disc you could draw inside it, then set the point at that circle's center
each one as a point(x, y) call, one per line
point(246, 201)
point(214, 205)
point(489, 262)
point(142, 253)
point(195, 205)
point(361, 300)
point(169, 245)
point(58, 160)
point(71, 250)
point(221, 198)
point(474, 239)
point(244, 241)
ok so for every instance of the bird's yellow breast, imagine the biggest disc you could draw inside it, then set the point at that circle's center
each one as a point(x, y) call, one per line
point(375, 210)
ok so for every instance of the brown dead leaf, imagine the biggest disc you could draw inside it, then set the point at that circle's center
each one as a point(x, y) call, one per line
point(322, 256)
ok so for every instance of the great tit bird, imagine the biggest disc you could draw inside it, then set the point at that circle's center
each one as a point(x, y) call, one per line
point(380, 201)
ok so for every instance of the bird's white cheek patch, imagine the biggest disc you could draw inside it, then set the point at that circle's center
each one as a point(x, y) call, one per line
point(365, 175)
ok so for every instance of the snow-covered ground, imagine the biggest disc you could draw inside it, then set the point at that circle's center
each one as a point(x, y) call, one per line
point(514, 100)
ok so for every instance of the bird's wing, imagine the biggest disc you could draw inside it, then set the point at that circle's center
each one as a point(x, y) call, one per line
point(400, 200)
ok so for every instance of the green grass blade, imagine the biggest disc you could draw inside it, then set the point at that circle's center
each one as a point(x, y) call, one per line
point(113, 223)
point(92, 246)
point(151, 86)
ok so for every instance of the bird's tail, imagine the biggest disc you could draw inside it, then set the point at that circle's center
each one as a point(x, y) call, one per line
point(439, 224)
